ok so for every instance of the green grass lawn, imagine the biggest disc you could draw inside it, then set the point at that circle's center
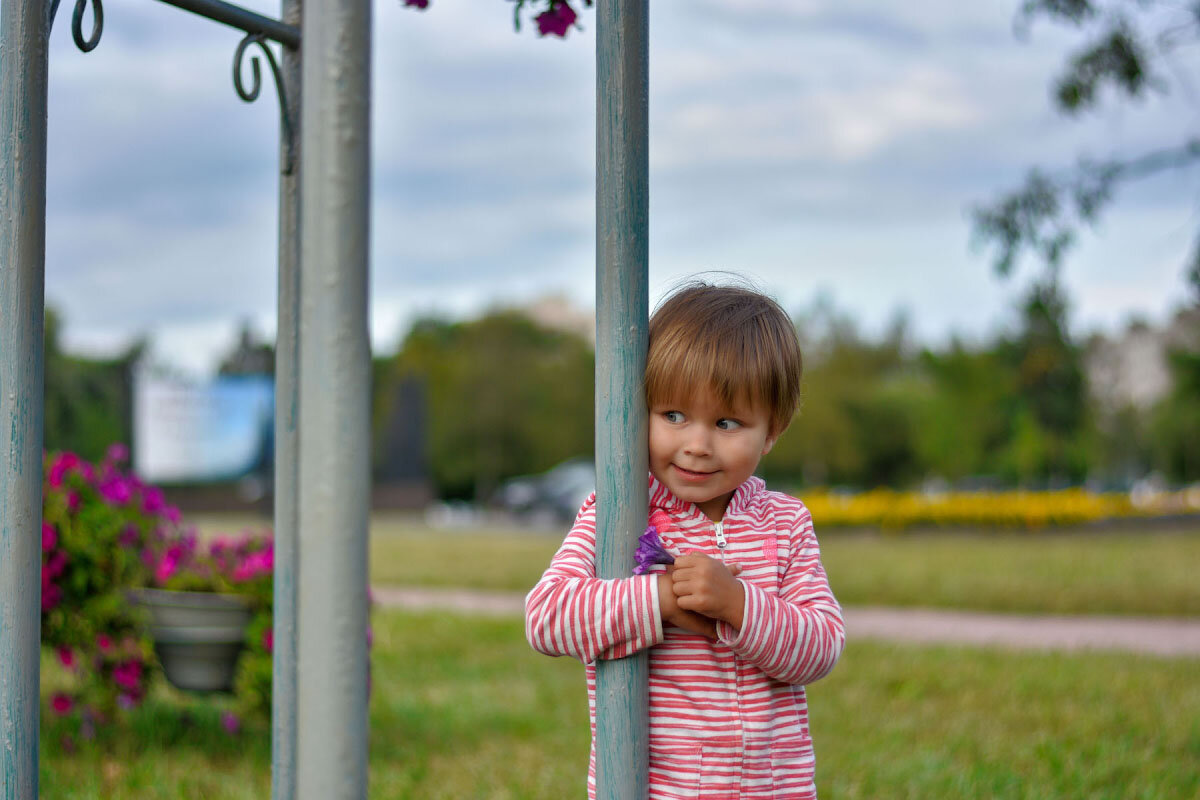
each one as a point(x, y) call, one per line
point(463, 708)
point(1075, 572)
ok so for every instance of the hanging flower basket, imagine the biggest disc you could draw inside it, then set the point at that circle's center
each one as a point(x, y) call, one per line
point(198, 636)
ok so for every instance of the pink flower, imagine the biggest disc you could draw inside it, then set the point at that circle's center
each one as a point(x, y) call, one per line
point(117, 453)
point(126, 701)
point(51, 595)
point(230, 722)
point(61, 703)
point(72, 501)
point(254, 565)
point(268, 640)
point(115, 490)
point(153, 500)
point(129, 536)
point(49, 537)
point(63, 463)
point(103, 642)
point(167, 567)
point(421, 4)
point(557, 20)
point(128, 675)
point(66, 657)
point(172, 514)
point(56, 564)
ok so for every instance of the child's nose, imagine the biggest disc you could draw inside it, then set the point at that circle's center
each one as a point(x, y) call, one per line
point(697, 443)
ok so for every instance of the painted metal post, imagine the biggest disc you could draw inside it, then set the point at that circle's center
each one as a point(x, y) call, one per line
point(334, 400)
point(287, 453)
point(24, 65)
point(622, 304)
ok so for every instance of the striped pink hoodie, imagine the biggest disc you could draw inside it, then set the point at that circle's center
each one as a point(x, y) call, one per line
point(728, 719)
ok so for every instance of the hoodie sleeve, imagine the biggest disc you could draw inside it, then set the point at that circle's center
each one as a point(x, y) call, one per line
point(796, 636)
point(571, 612)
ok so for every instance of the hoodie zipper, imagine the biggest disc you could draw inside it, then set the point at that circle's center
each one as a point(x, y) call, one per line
point(721, 541)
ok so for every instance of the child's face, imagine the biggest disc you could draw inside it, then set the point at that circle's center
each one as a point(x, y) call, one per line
point(702, 451)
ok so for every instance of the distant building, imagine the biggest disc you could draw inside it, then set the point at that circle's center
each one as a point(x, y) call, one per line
point(1131, 369)
point(557, 312)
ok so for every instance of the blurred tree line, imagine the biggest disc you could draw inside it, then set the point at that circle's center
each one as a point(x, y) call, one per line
point(503, 396)
point(88, 401)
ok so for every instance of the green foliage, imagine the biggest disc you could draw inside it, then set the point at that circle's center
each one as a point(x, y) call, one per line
point(965, 422)
point(88, 401)
point(506, 397)
point(1176, 420)
point(1051, 424)
point(857, 416)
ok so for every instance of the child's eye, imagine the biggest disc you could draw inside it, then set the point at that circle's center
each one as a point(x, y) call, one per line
point(673, 416)
point(727, 424)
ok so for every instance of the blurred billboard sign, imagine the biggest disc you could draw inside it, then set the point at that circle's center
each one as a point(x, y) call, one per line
point(200, 432)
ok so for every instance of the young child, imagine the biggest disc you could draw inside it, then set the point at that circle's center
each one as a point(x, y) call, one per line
point(745, 617)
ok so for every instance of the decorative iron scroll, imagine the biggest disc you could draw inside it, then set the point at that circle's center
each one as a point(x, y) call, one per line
point(249, 95)
point(88, 44)
point(285, 118)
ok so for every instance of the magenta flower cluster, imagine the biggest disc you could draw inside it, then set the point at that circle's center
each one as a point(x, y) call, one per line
point(102, 529)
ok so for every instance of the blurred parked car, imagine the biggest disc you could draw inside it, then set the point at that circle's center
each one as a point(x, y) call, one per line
point(556, 493)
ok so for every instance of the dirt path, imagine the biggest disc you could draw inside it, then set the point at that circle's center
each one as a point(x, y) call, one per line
point(1166, 636)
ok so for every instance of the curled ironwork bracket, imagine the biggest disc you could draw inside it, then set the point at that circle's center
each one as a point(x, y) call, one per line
point(89, 44)
point(285, 117)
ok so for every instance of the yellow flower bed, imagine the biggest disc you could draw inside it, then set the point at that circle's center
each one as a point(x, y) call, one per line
point(1016, 509)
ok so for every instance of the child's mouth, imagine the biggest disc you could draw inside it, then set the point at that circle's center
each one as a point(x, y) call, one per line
point(692, 475)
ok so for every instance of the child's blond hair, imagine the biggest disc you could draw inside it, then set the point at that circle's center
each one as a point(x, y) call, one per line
point(736, 341)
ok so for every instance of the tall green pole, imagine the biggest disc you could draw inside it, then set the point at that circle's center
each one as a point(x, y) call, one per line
point(24, 65)
point(335, 364)
point(622, 304)
point(287, 443)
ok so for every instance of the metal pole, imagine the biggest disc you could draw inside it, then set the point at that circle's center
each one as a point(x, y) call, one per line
point(622, 303)
point(24, 65)
point(287, 453)
point(334, 400)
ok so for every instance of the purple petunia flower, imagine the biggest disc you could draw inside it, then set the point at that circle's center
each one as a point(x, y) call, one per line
point(650, 551)
point(557, 20)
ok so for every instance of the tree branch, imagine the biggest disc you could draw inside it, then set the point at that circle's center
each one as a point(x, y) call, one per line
point(1042, 215)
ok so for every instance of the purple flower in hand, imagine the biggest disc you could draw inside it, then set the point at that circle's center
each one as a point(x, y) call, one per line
point(650, 551)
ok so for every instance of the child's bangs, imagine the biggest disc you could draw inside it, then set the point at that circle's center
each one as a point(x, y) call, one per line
point(677, 370)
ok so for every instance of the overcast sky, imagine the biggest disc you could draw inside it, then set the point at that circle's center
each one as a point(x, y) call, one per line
point(822, 148)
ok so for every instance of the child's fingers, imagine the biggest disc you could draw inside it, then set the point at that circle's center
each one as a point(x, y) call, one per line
point(735, 569)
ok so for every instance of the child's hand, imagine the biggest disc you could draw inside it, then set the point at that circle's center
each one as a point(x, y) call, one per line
point(671, 613)
point(706, 586)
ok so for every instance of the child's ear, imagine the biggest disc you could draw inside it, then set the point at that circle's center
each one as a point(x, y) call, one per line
point(771, 439)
